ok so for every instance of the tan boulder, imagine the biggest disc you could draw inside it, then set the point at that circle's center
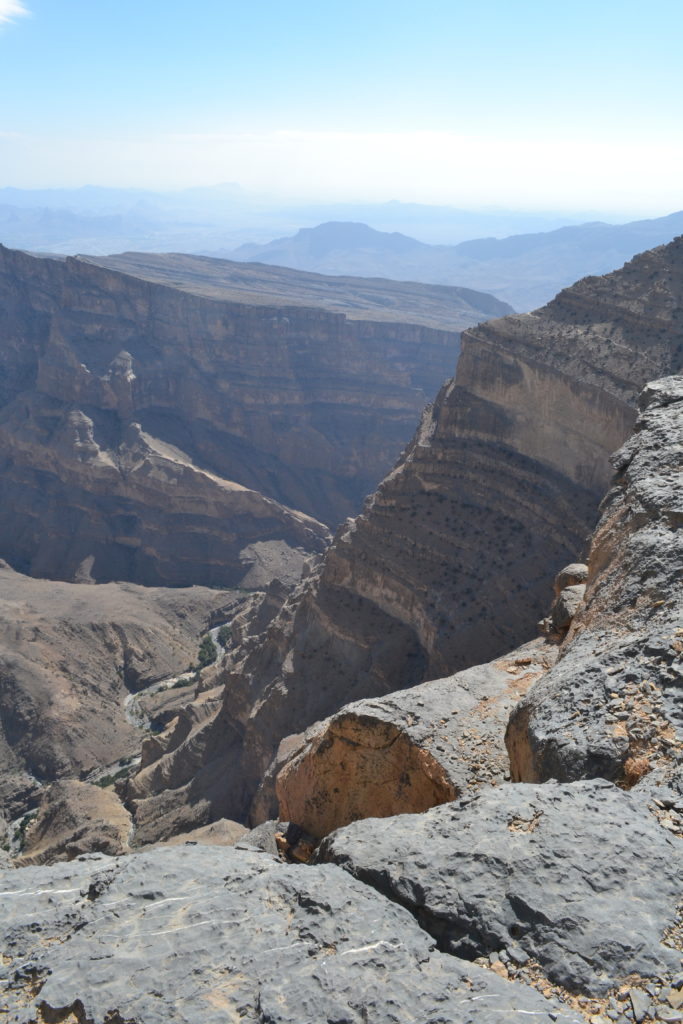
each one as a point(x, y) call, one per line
point(408, 751)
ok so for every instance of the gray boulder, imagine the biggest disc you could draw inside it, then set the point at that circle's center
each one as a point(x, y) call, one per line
point(571, 576)
point(566, 605)
point(580, 878)
point(203, 934)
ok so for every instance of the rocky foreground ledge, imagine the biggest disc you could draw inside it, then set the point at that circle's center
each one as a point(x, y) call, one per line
point(201, 934)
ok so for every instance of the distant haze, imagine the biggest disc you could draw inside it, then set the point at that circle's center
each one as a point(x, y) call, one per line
point(420, 167)
point(529, 106)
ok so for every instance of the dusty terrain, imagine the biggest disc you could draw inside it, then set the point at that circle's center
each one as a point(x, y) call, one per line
point(70, 656)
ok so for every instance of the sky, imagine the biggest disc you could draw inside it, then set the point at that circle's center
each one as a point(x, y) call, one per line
point(523, 105)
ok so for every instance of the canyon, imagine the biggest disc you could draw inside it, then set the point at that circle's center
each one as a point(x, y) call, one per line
point(487, 825)
point(152, 434)
point(451, 562)
point(559, 901)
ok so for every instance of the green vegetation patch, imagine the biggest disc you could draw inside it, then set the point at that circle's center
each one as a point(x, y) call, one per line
point(208, 652)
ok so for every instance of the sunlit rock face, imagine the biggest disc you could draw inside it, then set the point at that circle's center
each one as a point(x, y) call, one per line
point(613, 706)
point(152, 434)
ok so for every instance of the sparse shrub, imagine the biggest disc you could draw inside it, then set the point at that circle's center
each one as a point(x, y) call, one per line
point(207, 652)
point(635, 768)
point(109, 780)
point(181, 683)
point(20, 831)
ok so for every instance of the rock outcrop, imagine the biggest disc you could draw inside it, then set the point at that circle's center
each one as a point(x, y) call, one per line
point(205, 934)
point(613, 705)
point(580, 879)
point(452, 560)
point(405, 752)
point(153, 434)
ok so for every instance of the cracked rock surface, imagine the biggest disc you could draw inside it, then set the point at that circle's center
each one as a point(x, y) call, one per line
point(213, 935)
point(408, 751)
point(579, 877)
point(613, 704)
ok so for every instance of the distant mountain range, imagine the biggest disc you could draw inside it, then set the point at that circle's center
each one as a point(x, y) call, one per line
point(101, 220)
point(524, 270)
point(523, 258)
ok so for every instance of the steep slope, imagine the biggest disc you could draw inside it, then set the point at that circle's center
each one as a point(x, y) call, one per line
point(613, 704)
point(452, 560)
point(582, 872)
point(524, 270)
point(557, 902)
point(70, 655)
point(152, 434)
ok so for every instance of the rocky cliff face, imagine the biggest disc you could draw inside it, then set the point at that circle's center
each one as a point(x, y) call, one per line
point(582, 873)
point(613, 704)
point(152, 434)
point(452, 560)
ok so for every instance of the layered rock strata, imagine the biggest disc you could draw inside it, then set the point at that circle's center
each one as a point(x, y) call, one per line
point(572, 888)
point(199, 933)
point(451, 562)
point(613, 705)
point(153, 434)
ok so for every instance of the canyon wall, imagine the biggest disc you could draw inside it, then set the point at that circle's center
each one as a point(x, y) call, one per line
point(451, 562)
point(150, 433)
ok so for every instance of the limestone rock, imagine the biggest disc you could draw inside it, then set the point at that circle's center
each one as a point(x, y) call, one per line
point(612, 705)
point(566, 605)
point(200, 933)
point(580, 877)
point(408, 751)
point(76, 818)
point(571, 576)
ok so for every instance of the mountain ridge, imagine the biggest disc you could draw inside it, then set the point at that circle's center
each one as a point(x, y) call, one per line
point(113, 385)
point(524, 270)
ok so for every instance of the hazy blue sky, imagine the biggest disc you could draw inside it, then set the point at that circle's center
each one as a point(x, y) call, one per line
point(523, 103)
